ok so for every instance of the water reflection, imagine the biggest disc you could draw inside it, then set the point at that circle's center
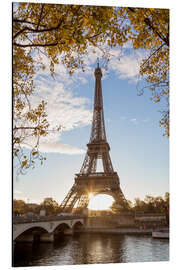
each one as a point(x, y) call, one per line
point(92, 248)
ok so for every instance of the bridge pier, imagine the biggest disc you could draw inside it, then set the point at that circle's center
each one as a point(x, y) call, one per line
point(47, 237)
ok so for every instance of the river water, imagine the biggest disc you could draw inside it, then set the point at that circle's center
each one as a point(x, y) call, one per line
point(91, 249)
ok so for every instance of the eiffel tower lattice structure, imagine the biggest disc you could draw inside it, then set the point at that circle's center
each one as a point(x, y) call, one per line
point(89, 180)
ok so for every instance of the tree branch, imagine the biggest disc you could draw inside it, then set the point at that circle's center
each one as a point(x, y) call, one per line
point(165, 39)
point(27, 22)
point(16, 128)
point(35, 45)
point(26, 28)
point(152, 54)
point(40, 16)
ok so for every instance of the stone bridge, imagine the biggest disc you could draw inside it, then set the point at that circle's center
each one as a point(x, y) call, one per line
point(44, 229)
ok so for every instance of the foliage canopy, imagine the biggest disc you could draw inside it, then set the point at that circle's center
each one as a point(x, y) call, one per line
point(64, 33)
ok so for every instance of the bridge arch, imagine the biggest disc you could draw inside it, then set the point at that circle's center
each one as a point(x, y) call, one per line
point(62, 226)
point(77, 224)
point(27, 232)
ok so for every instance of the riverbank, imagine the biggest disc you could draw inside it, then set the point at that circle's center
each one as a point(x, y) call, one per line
point(129, 231)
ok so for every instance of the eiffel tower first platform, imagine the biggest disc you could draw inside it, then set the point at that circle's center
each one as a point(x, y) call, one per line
point(88, 180)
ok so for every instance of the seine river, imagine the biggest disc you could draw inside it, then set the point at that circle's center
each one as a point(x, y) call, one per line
point(92, 248)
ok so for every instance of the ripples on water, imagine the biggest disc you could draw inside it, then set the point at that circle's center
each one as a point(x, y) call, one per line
point(92, 248)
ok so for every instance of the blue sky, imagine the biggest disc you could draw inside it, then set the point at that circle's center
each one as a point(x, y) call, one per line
point(139, 152)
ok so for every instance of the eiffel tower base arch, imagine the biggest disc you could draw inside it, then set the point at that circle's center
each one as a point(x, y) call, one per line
point(96, 183)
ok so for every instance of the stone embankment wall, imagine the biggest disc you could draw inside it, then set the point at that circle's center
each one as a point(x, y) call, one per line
point(116, 230)
point(126, 221)
point(110, 221)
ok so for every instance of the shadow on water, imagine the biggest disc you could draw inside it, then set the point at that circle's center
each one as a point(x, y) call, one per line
point(25, 254)
point(30, 254)
point(91, 249)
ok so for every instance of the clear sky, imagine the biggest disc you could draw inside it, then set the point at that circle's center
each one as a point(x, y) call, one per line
point(139, 152)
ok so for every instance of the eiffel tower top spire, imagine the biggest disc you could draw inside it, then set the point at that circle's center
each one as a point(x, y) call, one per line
point(98, 62)
point(98, 127)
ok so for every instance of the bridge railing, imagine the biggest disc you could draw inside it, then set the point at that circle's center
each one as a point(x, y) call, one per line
point(24, 219)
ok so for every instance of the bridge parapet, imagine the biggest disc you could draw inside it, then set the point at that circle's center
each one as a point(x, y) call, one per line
point(23, 219)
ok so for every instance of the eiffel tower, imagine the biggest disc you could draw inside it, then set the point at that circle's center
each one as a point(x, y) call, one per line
point(88, 180)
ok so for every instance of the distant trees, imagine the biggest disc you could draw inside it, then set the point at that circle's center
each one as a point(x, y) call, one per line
point(152, 204)
point(20, 207)
point(50, 205)
point(149, 205)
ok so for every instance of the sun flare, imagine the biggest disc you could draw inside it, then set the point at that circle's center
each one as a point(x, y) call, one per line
point(100, 202)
